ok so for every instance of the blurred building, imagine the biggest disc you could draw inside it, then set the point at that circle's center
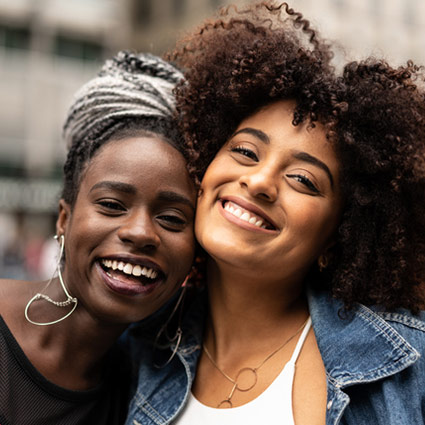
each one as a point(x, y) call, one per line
point(393, 29)
point(49, 48)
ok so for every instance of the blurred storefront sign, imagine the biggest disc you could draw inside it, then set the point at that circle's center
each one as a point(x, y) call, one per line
point(32, 196)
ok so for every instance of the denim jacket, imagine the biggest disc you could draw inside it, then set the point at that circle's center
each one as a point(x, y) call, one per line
point(374, 363)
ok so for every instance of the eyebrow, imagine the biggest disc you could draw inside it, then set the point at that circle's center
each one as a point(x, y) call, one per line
point(254, 132)
point(304, 156)
point(167, 196)
point(112, 185)
point(170, 196)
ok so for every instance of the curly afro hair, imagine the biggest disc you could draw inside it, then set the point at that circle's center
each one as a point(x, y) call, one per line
point(240, 62)
point(373, 115)
point(380, 134)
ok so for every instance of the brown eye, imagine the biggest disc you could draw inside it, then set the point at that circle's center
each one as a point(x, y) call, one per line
point(245, 152)
point(305, 181)
point(109, 205)
point(172, 222)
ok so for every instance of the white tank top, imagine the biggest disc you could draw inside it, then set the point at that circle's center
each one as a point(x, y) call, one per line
point(273, 406)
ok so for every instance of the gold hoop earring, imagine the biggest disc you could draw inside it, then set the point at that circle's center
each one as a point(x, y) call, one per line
point(69, 299)
point(323, 262)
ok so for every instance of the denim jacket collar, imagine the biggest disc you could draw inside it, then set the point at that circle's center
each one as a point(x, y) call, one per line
point(376, 351)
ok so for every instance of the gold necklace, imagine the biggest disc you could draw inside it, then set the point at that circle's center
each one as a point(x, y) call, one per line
point(228, 401)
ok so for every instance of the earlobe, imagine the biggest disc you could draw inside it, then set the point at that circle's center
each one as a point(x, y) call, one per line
point(63, 217)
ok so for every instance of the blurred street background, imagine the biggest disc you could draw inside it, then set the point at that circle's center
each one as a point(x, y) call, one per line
point(49, 48)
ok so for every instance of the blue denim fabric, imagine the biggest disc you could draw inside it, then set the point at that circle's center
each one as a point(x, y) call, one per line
point(374, 365)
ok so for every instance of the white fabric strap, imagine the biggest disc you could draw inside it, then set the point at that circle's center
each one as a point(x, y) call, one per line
point(300, 342)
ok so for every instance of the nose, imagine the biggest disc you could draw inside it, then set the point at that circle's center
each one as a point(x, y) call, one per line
point(139, 230)
point(260, 182)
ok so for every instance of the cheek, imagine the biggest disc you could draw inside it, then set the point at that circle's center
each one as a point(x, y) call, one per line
point(86, 231)
point(218, 172)
point(181, 248)
point(317, 225)
point(309, 216)
point(86, 227)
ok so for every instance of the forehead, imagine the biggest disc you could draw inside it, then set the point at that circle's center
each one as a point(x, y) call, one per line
point(276, 119)
point(139, 160)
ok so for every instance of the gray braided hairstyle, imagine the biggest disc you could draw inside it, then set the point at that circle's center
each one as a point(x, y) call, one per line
point(131, 96)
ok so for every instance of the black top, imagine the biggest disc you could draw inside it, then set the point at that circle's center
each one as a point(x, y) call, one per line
point(27, 398)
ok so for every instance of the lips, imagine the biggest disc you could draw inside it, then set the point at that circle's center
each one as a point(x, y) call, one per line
point(130, 276)
point(248, 213)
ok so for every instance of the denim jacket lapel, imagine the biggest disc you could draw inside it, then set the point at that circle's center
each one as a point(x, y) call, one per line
point(357, 349)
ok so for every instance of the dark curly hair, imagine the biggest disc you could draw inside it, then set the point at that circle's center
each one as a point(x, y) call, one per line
point(380, 134)
point(246, 59)
point(373, 114)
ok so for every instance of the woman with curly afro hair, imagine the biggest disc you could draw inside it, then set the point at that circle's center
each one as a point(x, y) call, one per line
point(311, 217)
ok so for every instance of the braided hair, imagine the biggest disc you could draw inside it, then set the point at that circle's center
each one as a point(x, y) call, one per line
point(131, 96)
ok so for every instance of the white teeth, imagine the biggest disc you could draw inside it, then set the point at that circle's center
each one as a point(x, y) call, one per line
point(229, 208)
point(137, 270)
point(245, 216)
point(130, 269)
point(237, 212)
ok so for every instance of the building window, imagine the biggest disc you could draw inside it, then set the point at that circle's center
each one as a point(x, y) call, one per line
point(14, 37)
point(78, 49)
point(11, 169)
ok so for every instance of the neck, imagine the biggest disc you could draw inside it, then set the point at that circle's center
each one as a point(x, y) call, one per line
point(246, 308)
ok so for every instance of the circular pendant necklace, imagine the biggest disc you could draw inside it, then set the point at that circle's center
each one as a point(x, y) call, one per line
point(250, 382)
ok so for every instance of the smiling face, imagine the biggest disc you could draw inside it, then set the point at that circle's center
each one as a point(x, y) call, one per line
point(129, 236)
point(270, 199)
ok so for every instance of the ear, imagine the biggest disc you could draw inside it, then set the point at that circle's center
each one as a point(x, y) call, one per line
point(63, 217)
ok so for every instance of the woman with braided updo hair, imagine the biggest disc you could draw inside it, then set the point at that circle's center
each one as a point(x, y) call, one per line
point(125, 231)
point(311, 213)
